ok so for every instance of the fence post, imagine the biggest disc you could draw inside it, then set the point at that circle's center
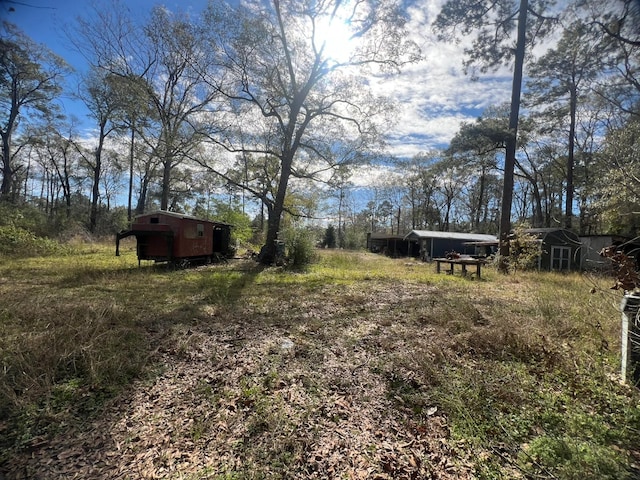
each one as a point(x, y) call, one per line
point(630, 307)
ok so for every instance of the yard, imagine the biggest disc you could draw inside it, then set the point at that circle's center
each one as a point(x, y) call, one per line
point(361, 367)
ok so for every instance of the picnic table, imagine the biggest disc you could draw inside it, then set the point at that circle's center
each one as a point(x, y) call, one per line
point(462, 261)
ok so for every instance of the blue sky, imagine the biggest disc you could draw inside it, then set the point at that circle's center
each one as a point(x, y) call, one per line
point(435, 96)
point(45, 22)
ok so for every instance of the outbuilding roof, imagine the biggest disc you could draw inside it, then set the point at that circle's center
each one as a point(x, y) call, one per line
point(562, 234)
point(385, 236)
point(472, 237)
point(180, 215)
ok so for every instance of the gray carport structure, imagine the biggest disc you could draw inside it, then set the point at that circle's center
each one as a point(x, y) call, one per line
point(429, 244)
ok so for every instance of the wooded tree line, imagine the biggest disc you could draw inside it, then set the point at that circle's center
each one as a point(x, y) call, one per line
point(248, 108)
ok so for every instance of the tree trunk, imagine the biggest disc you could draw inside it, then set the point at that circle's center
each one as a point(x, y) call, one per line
point(131, 152)
point(538, 217)
point(268, 252)
point(480, 198)
point(340, 233)
point(95, 191)
point(586, 228)
point(144, 189)
point(66, 189)
point(26, 177)
point(414, 210)
point(445, 226)
point(510, 154)
point(7, 171)
point(43, 185)
point(568, 209)
point(166, 179)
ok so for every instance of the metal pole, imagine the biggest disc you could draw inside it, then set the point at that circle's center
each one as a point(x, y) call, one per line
point(630, 355)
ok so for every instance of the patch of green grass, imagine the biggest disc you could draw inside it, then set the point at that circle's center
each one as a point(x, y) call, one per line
point(542, 425)
point(221, 287)
point(572, 459)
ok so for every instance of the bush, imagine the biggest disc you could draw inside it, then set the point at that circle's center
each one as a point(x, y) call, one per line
point(24, 217)
point(18, 242)
point(355, 240)
point(300, 248)
point(525, 249)
point(111, 222)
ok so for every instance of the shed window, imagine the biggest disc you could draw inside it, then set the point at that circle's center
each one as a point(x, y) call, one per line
point(200, 229)
point(154, 220)
point(560, 258)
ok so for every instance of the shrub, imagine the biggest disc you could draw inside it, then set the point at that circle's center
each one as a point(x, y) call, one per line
point(525, 249)
point(354, 240)
point(24, 216)
point(18, 242)
point(300, 247)
point(111, 221)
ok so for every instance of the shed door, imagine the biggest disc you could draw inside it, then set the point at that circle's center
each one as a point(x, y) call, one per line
point(560, 258)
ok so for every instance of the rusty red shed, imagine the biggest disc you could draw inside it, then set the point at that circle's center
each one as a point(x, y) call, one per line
point(164, 236)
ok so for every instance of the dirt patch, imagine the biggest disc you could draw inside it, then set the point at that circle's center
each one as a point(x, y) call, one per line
point(299, 388)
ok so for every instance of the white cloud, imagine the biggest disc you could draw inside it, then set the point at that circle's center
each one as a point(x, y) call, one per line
point(435, 95)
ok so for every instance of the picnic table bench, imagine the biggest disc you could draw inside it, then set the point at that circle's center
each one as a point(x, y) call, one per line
point(462, 261)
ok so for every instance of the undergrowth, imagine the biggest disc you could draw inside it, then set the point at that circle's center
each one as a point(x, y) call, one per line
point(18, 242)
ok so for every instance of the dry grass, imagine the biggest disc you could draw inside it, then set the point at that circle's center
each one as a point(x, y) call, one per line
point(361, 367)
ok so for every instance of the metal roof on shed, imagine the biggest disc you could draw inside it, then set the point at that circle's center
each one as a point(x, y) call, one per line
point(385, 236)
point(475, 237)
point(560, 233)
point(180, 215)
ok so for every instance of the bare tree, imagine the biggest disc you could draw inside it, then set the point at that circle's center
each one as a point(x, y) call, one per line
point(184, 102)
point(561, 78)
point(159, 59)
point(135, 114)
point(59, 148)
point(102, 102)
point(282, 75)
point(30, 79)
